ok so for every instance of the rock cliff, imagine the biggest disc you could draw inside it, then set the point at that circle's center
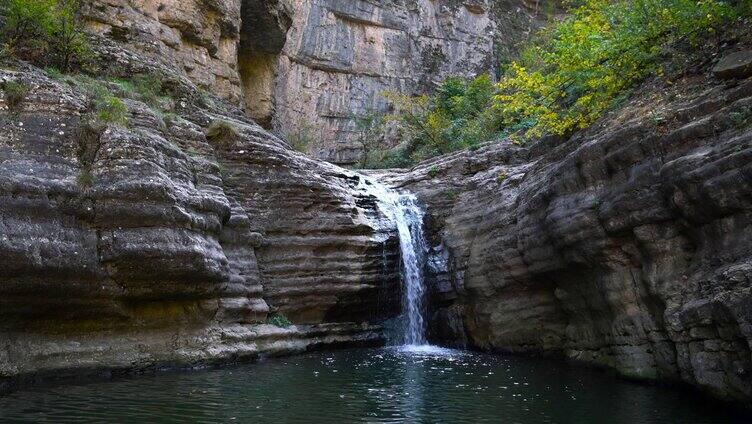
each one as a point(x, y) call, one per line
point(310, 69)
point(150, 244)
point(628, 246)
point(340, 55)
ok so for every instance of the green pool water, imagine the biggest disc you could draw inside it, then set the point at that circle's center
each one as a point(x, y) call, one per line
point(390, 385)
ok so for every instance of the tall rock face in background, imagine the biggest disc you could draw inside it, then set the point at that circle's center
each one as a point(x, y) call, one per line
point(627, 246)
point(340, 56)
point(309, 69)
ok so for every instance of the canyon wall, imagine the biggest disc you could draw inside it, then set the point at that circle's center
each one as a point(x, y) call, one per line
point(310, 70)
point(341, 55)
point(149, 244)
point(628, 246)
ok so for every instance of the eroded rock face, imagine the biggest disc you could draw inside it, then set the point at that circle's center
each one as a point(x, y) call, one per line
point(311, 69)
point(340, 55)
point(148, 244)
point(194, 38)
point(628, 246)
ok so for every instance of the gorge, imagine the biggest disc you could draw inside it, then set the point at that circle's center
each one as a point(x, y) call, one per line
point(215, 223)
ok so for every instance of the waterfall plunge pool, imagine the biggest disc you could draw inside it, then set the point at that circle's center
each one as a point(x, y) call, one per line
point(390, 385)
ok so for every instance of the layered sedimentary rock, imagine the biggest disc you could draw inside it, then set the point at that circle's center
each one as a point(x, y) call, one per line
point(628, 246)
point(196, 38)
point(341, 55)
point(131, 246)
point(310, 70)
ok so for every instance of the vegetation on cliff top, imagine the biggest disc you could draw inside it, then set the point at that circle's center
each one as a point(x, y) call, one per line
point(43, 32)
point(571, 73)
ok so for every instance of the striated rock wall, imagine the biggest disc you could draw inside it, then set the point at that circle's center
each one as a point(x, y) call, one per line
point(310, 69)
point(197, 39)
point(138, 246)
point(340, 55)
point(628, 246)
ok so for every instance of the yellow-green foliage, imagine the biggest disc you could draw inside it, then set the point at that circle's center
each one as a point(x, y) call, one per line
point(278, 320)
point(581, 66)
point(44, 32)
point(15, 94)
point(103, 103)
point(148, 88)
point(568, 76)
point(456, 117)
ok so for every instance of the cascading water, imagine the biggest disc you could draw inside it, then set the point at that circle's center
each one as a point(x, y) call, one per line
point(403, 210)
point(409, 219)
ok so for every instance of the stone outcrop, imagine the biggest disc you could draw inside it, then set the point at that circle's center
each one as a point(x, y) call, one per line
point(627, 246)
point(197, 39)
point(149, 244)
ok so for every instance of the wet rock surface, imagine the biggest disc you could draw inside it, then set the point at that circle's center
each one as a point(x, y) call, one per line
point(627, 246)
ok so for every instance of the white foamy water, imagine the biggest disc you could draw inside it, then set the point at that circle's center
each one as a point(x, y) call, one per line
point(403, 210)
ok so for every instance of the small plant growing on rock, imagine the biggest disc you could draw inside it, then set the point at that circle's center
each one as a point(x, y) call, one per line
point(112, 110)
point(85, 179)
point(15, 94)
point(88, 138)
point(105, 105)
point(742, 118)
point(301, 135)
point(148, 88)
point(434, 171)
point(222, 133)
point(278, 320)
point(502, 176)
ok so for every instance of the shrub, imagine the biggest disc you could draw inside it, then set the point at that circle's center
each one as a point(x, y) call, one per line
point(44, 32)
point(742, 118)
point(148, 88)
point(371, 134)
point(88, 142)
point(105, 106)
point(111, 109)
point(583, 65)
point(279, 320)
point(222, 133)
point(85, 179)
point(569, 75)
point(15, 94)
point(457, 116)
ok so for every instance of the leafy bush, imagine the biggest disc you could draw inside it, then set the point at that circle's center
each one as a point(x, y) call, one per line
point(583, 65)
point(111, 109)
point(88, 136)
point(44, 32)
point(15, 94)
point(457, 116)
point(279, 320)
point(148, 88)
point(104, 104)
point(742, 118)
point(569, 75)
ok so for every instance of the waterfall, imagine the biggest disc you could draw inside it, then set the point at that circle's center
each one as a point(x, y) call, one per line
point(404, 212)
point(409, 219)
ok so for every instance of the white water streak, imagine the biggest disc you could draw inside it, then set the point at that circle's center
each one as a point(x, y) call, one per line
point(404, 211)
